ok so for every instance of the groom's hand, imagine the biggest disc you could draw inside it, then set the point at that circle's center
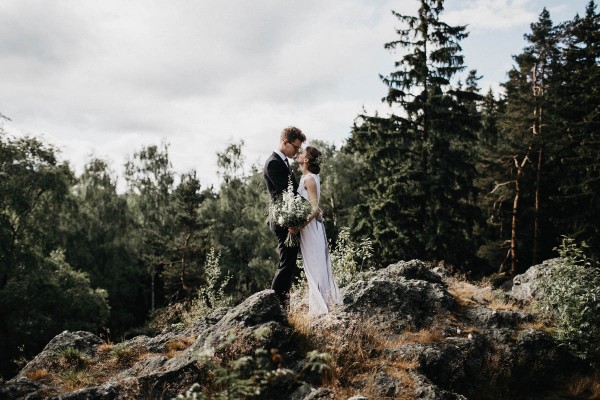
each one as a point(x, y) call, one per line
point(293, 230)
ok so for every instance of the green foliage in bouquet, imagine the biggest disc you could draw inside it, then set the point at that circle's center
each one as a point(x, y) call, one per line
point(572, 297)
point(290, 210)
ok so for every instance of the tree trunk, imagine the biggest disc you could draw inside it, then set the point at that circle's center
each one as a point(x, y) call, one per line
point(514, 264)
point(536, 221)
point(186, 243)
point(152, 273)
point(513, 230)
point(538, 92)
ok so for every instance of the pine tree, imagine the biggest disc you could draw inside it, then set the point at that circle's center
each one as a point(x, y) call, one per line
point(578, 155)
point(525, 123)
point(421, 197)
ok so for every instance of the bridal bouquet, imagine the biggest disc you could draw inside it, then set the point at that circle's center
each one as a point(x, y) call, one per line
point(290, 210)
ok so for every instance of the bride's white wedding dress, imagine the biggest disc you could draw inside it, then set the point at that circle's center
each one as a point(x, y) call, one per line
point(323, 292)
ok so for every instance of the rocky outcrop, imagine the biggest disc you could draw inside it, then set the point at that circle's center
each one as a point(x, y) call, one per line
point(526, 286)
point(472, 351)
point(403, 295)
point(158, 375)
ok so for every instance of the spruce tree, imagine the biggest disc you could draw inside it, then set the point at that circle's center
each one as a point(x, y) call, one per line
point(420, 200)
point(578, 154)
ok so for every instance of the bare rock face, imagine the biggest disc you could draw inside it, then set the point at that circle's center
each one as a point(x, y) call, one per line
point(403, 295)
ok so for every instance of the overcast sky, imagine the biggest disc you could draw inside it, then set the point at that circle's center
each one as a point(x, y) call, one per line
point(105, 78)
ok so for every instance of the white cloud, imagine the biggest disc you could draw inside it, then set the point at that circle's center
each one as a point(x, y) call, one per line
point(107, 77)
point(491, 14)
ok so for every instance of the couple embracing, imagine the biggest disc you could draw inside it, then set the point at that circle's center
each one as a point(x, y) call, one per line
point(323, 292)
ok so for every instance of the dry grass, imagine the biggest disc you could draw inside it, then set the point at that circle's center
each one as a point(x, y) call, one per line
point(71, 370)
point(174, 347)
point(537, 325)
point(38, 374)
point(585, 387)
point(125, 357)
point(426, 335)
point(105, 347)
point(468, 295)
point(398, 369)
point(356, 352)
point(71, 380)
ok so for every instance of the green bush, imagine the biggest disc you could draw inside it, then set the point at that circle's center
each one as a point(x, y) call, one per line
point(572, 297)
point(349, 259)
point(249, 376)
point(212, 294)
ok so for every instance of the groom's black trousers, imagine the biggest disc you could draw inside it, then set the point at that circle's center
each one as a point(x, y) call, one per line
point(287, 270)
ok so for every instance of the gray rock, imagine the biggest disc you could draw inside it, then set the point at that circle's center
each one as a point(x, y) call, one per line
point(302, 392)
point(450, 364)
point(85, 342)
point(527, 285)
point(217, 314)
point(488, 318)
point(386, 386)
point(125, 389)
point(425, 390)
point(319, 394)
point(413, 269)
point(26, 389)
point(394, 302)
point(108, 392)
point(441, 272)
point(175, 375)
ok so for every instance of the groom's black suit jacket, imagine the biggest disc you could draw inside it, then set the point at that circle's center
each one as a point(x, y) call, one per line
point(277, 175)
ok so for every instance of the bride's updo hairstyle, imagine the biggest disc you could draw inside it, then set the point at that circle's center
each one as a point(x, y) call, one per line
point(313, 155)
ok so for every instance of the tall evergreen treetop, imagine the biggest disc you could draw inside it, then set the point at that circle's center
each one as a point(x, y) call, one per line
point(420, 158)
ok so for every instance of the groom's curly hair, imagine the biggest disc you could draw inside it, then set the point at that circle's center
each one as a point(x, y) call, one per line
point(291, 133)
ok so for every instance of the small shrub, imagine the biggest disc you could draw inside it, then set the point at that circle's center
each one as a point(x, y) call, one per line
point(212, 294)
point(247, 376)
point(70, 357)
point(572, 297)
point(125, 356)
point(349, 259)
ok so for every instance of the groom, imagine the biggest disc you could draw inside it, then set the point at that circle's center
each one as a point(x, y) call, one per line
point(277, 172)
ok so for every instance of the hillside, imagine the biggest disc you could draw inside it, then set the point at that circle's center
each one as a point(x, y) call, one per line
point(408, 332)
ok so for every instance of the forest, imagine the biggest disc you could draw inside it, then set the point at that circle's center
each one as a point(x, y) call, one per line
point(478, 181)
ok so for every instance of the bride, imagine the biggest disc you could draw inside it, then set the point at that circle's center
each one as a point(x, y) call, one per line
point(323, 292)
